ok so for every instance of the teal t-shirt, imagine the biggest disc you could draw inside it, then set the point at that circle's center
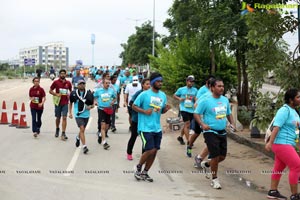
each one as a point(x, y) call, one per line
point(189, 94)
point(84, 114)
point(287, 119)
point(214, 111)
point(104, 97)
point(126, 80)
point(202, 91)
point(156, 101)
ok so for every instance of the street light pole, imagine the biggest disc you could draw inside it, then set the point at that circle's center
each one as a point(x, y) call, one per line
point(153, 34)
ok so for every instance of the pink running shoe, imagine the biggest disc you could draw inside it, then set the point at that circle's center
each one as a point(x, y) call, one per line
point(129, 157)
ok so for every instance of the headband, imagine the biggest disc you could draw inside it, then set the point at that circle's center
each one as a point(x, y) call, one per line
point(159, 78)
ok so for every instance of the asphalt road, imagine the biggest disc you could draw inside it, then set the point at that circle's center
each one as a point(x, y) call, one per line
point(48, 168)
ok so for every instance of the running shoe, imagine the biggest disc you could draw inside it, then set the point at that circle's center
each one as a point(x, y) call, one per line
point(85, 150)
point(216, 184)
point(206, 168)
point(64, 137)
point(275, 194)
point(146, 177)
point(189, 151)
point(99, 139)
point(77, 143)
point(57, 132)
point(106, 146)
point(129, 157)
point(113, 129)
point(198, 162)
point(180, 139)
point(35, 135)
point(295, 197)
point(138, 175)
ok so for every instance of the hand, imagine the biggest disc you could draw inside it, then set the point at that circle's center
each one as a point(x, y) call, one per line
point(205, 127)
point(58, 94)
point(168, 107)
point(40, 105)
point(148, 112)
point(181, 99)
point(232, 127)
point(70, 116)
point(268, 146)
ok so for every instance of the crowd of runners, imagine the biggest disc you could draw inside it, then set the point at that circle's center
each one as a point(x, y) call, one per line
point(204, 111)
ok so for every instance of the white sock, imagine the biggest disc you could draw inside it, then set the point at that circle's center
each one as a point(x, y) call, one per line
point(84, 146)
point(103, 142)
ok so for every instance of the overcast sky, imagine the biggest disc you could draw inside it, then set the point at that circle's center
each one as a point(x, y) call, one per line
point(34, 22)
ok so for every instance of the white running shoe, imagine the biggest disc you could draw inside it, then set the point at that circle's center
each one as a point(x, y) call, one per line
point(216, 184)
point(206, 169)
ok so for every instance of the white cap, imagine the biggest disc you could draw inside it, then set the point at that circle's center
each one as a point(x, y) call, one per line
point(144, 70)
point(135, 80)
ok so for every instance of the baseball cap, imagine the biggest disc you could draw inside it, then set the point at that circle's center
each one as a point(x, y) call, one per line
point(80, 81)
point(190, 78)
point(77, 67)
point(135, 80)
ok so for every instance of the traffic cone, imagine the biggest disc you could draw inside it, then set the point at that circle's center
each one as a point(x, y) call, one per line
point(14, 116)
point(22, 121)
point(4, 114)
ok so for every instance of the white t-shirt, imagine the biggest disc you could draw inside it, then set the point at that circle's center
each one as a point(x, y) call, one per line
point(131, 90)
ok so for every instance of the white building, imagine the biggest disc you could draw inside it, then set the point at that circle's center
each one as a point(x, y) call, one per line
point(52, 54)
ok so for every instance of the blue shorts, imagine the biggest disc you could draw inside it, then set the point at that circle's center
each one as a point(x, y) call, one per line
point(61, 111)
point(151, 140)
point(82, 121)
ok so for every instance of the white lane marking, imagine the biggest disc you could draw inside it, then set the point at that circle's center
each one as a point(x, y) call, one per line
point(73, 162)
point(71, 165)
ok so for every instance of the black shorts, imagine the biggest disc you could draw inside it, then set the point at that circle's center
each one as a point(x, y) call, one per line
point(186, 116)
point(104, 117)
point(216, 144)
point(82, 121)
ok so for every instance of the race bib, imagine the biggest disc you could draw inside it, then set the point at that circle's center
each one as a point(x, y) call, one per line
point(156, 103)
point(105, 97)
point(220, 112)
point(63, 91)
point(36, 100)
point(188, 103)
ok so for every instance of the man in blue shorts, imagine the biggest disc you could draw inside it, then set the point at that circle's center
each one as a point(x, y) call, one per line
point(60, 89)
point(215, 110)
point(150, 105)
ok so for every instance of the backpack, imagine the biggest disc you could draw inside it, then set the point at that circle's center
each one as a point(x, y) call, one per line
point(86, 99)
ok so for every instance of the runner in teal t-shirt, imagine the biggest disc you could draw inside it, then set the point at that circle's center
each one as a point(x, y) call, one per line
point(150, 105)
point(216, 111)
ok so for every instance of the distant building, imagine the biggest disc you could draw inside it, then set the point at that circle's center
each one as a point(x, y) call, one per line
point(13, 63)
point(52, 54)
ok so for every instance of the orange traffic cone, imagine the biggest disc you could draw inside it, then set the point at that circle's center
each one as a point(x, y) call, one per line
point(14, 116)
point(4, 119)
point(22, 121)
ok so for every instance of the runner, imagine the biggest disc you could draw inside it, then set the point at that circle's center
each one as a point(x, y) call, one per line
point(130, 90)
point(134, 119)
point(83, 101)
point(59, 89)
point(116, 88)
point(37, 99)
point(150, 105)
point(76, 77)
point(106, 97)
point(282, 142)
point(215, 109)
point(186, 95)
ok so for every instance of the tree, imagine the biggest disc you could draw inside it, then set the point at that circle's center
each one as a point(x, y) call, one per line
point(138, 46)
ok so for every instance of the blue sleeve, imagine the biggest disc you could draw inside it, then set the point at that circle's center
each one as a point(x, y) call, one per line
point(138, 101)
point(178, 92)
point(281, 116)
point(200, 107)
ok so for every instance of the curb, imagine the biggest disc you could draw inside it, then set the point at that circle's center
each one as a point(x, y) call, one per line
point(249, 143)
